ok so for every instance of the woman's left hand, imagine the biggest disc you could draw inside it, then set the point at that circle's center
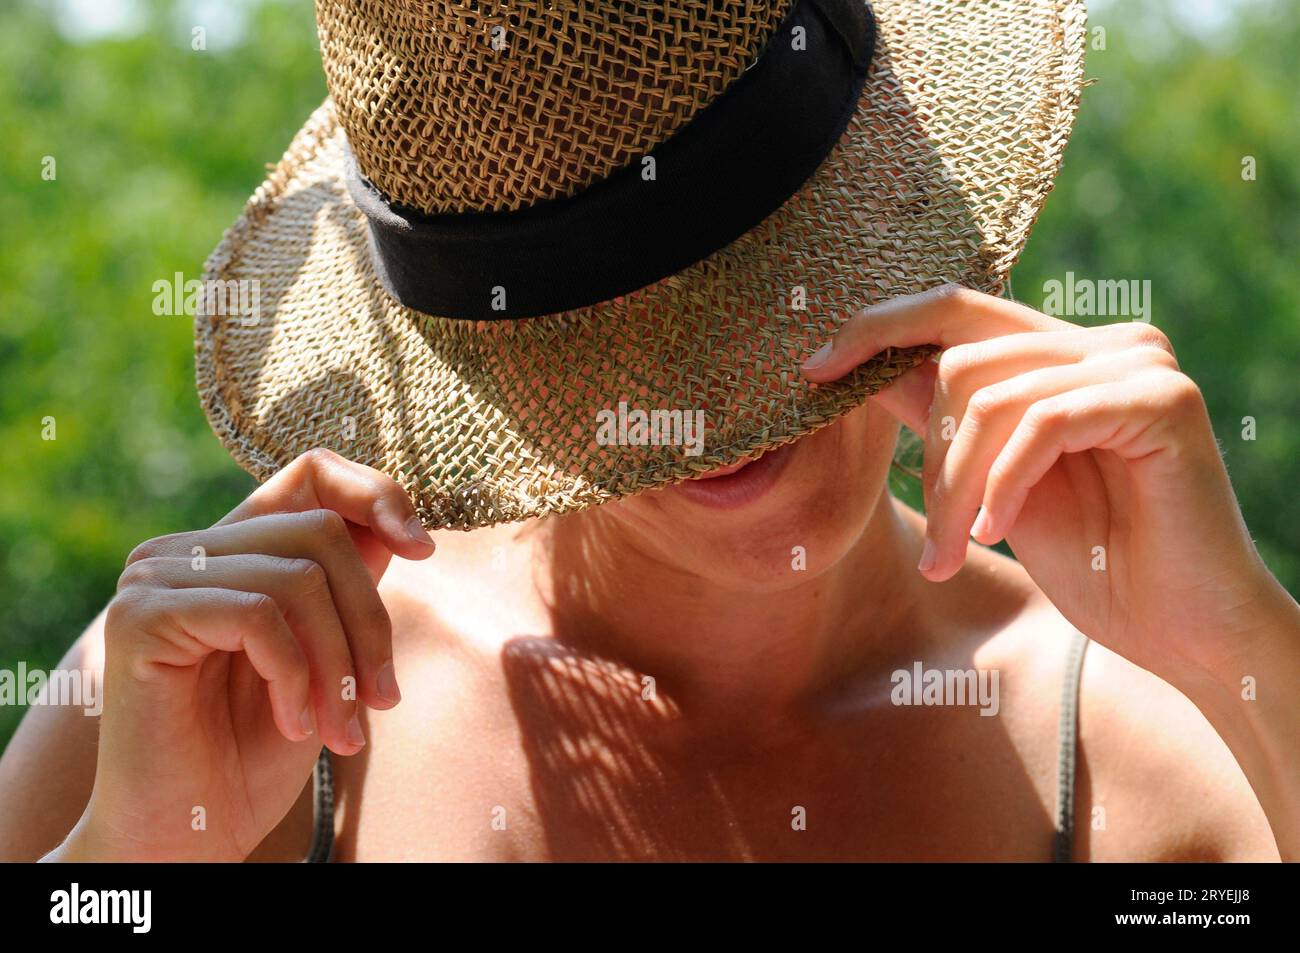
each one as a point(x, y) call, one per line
point(1091, 453)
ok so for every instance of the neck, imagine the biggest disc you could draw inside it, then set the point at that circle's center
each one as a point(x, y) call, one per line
point(719, 650)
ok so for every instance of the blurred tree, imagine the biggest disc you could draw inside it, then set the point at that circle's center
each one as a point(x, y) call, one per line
point(155, 148)
point(1156, 187)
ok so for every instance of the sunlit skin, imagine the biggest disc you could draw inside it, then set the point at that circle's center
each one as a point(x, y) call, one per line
point(662, 678)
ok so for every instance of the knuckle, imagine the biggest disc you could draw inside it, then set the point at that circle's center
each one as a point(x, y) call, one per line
point(149, 549)
point(130, 616)
point(1044, 416)
point(853, 332)
point(1150, 354)
point(330, 525)
point(392, 491)
point(123, 612)
point(986, 403)
point(1148, 335)
point(1183, 396)
point(310, 575)
point(146, 571)
point(318, 457)
point(258, 606)
point(955, 362)
point(952, 291)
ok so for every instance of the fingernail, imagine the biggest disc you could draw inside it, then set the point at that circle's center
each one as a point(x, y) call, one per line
point(307, 721)
point(386, 684)
point(927, 557)
point(981, 524)
point(355, 735)
point(415, 529)
point(822, 355)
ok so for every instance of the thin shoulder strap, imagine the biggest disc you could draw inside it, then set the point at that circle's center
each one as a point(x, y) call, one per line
point(322, 837)
point(1067, 731)
point(322, 844)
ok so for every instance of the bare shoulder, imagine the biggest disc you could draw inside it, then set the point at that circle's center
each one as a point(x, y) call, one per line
point(48, 769)
point(455, 737)
point(1156, 781)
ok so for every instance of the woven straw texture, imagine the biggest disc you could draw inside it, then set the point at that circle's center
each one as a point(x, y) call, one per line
point(452, 110)
point(956, 140)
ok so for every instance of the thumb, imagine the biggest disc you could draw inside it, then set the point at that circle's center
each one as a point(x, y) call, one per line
point(374, 552)
point(909, 397)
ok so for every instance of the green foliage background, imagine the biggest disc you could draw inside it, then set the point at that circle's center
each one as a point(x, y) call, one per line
point(158, 146)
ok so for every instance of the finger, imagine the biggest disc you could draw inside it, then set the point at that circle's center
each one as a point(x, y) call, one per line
point(323, 537)
point(300, 589)
point(187, 625)
point(1120, 417)
point(955, 477)
point(910, 396)
point(957, 468)
point(943, 386)
point(945, 316)
point(933, 395)
point(966, 368)
point(320, 479)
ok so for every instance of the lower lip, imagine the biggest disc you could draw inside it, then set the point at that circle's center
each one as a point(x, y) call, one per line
point(729, 487)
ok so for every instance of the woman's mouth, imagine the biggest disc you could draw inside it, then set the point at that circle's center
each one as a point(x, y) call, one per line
point(737, 484)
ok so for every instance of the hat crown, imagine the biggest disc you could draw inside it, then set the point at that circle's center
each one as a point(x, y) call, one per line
point(461, 107)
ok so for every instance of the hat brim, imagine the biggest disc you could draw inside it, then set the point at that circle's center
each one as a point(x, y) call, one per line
point(958, 135)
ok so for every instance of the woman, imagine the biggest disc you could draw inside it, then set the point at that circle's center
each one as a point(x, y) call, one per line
point(731, 663)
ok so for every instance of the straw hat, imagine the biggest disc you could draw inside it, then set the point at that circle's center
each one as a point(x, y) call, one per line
point(517, 255)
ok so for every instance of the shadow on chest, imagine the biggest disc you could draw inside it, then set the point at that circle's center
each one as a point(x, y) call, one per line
point(616, 772)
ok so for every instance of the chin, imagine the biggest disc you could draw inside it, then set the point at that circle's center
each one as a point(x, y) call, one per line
point(777, 520)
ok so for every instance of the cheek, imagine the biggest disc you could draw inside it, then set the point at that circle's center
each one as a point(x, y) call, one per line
point(833, 492)
point(825, 498)
point(839, 461)
point(865, 445)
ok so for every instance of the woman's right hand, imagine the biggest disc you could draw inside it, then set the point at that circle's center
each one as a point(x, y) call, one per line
point(233, 653)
